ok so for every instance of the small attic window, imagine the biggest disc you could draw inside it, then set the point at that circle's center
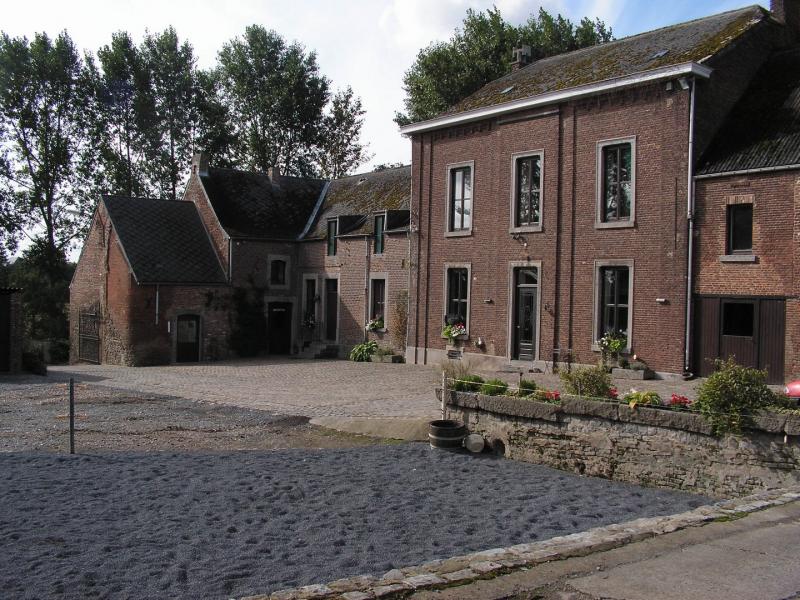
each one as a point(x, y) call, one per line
point(507, 90)
point(361, 180)
point(659, 54)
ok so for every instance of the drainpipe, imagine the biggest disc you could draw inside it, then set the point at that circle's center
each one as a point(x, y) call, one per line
point(690, 217)
point(156, 304)
point(366, 286)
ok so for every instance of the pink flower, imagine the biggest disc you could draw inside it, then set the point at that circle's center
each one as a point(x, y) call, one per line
point(613, 393)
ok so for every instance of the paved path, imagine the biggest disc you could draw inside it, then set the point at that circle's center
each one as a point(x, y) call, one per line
point(313, 388)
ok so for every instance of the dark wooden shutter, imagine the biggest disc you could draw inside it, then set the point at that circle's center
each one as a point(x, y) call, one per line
point(706, 337)
point(772, 338)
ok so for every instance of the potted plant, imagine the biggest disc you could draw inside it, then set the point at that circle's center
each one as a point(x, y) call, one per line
point(612, 344)
point(375, 324)
point(454, 332)
point(636, 369)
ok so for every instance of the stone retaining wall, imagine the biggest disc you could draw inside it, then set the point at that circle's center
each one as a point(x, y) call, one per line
point(645, 446)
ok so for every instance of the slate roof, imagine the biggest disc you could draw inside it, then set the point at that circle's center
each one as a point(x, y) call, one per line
point(693, 41)
point(164, 240)
point(357, 197)
point(763, 129)
point(251, 205)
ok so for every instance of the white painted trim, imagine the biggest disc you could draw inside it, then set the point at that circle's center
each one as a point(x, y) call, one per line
point(512, 265)
point(598, 215)
point(607, 85)
point(611, 262)
point(468, 267)
point(286, 275)
point(749, 171)
point(314, 212)
point(513, 227)
point(385, 276)
point(448, 169)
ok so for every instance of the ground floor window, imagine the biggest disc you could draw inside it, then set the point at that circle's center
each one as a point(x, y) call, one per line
point(614, 314)
point(378, 299)
point(457, 308)
point(738, 318)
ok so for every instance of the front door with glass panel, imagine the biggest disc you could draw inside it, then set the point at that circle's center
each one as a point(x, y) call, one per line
point(526, 303)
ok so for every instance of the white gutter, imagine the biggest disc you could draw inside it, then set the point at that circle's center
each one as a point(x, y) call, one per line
point(749, 171)
point(681, 70)
point(314, 212)
point(690, 216)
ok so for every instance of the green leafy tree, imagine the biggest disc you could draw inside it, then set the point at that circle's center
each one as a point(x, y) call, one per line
point(275, 96)
point(171, 67)
point(213, 133)
point(445, 73)
point(44, 182)
point(340, 150)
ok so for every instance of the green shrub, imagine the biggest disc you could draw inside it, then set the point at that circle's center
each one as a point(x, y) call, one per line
point(363, 352)
point(643, 398)
point(494, 387)
point(731, 395)
point(59, 351)
point(527, 387)
point(594, 382)
point(467, 383)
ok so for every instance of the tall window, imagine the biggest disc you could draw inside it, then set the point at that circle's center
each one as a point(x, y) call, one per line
point(378, 299)
point(277, 272)
point(740, 228)
point(460, 199)
point(333, 228)
point(457, 296)
point(528, 190)
point(311, 300)
point(614, 286)
point(617, 174)
point(380, 221)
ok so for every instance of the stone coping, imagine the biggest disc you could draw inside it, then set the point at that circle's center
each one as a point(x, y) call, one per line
point(460, 570)
point(769, 422)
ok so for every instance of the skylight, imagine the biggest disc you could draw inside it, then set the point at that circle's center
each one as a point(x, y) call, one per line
point(508, 89)
point(659, 54)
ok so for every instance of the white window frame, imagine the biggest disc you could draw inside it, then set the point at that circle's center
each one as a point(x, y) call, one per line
point(599, 201)
point(598, 265)
point(513, 227)
point(447, 267)
point(287, 284)
point(385, 277)
point(449, 169)
point(517, 264)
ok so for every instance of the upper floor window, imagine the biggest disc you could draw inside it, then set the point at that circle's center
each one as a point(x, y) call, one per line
point(380, 222)
point(277, 272)
point(460, 199)
point(457, 296)
point(527, 190)
point(616, 171)
point(333, 228)
point(740, 229)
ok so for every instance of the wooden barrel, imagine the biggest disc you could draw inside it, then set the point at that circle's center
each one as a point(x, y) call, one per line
point(446, 434)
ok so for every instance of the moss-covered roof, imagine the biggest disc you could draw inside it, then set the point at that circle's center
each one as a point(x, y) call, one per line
point(693, 41)
point(357, 197)
point(763, 129)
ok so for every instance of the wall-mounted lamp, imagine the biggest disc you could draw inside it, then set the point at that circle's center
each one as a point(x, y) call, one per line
point(479, 343)
point(488, 301)
point(661, 301)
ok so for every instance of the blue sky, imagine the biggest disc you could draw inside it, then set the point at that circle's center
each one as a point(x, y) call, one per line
point(367, 44)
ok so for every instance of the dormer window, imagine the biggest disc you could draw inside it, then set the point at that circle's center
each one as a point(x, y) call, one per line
point(380, 225)
point(333, 231)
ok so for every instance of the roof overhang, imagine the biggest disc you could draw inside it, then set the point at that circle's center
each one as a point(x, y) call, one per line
point(607, 85)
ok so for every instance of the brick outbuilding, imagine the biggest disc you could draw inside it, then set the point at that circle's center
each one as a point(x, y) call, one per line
point(11, 330)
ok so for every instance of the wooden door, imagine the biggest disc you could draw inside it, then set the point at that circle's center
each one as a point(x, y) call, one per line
point(279, 327)
point(331, 308)
point(526, 306)
point(772, 338)
point(187, 348)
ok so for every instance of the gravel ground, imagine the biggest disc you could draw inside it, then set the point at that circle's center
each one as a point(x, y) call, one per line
point(216, 525)
point(34, 416)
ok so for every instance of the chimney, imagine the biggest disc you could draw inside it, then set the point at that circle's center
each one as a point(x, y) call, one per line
point(788, 13)
point(521, 56)
point(200, 164)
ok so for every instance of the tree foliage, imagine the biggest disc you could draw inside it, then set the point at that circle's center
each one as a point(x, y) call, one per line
point(445, 73)
point(339, 150)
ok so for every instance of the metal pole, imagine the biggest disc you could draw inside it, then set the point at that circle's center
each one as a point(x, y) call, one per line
point(444, 394)
point(71, 415)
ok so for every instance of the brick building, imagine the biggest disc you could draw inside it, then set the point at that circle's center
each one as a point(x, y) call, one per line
point(557, 203)
point(11, 330)
point(245, 263)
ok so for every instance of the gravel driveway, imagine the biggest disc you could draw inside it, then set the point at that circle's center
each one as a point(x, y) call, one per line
point(216, 525)
point(311, 388)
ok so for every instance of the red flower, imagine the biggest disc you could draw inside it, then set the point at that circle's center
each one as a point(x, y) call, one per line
point(613, 393)
point(678, 400)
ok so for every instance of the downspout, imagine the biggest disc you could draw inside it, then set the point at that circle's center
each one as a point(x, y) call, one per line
point(366, 286)
point(690, 218)
point(230, 261)
point(157, 304)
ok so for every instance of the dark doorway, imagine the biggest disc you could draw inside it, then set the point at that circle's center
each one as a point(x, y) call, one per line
point(279, 327)
point(526, 302)
point(187, 348)
point(752, 330)
point(331, 308)
point(5, 332)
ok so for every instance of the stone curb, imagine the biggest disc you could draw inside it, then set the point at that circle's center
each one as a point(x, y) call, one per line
point(459, 570)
